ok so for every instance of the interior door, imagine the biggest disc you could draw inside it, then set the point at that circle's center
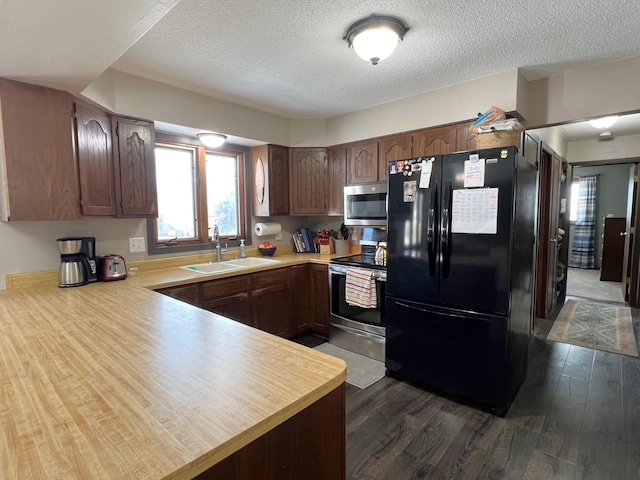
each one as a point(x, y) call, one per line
point(552, 234)
point(629, 234)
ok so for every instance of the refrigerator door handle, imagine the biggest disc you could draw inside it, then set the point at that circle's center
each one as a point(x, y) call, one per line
point(444, 314)
point(431, 225)
point(445, 229)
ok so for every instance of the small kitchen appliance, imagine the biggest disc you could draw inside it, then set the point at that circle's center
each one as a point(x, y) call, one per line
point(77, 261)
point(112, 267)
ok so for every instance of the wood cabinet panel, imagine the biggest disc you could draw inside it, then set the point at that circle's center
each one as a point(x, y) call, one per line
point(95, 160)
point(336, 179)
point(310, 446)
point(190, 294)
point(271, 301)
point(433, 141)
point(397, 147)
point(320, 298)
point(230, 297)
point(236, 307)
point(301, 313)
point(135, 168)
point(226, 287)
point(362, 164)
point(39, 176)
point(613, 249)
point(270, 170)
point(464, 140)
point(308, 181)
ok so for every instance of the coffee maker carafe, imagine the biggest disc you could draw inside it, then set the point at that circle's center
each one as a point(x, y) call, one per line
point(77, 261)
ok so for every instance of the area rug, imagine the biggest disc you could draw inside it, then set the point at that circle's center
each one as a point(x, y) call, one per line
point(595, 325)
point(361, 371)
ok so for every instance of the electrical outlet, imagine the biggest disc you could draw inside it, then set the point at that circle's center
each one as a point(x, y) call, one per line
point(136, 244)
point(278, 236)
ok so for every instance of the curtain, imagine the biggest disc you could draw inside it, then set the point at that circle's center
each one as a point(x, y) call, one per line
point(584, 236)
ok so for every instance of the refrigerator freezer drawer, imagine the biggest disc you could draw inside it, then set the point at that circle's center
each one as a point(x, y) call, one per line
point(460, 352)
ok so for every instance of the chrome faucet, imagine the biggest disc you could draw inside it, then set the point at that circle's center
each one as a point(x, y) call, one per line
point(215, 237)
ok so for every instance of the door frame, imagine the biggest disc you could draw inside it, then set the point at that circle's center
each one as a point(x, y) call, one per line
point(633, 274)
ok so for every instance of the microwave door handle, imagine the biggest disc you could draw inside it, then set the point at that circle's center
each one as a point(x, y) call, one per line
point(431, 225)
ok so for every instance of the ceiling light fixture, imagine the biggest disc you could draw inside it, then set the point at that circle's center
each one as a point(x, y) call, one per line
point(212, 140)
point(375, 38)
point(604, 122)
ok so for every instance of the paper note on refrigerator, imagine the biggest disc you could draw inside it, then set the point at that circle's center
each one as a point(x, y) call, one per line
point(474, 172)
point(475, 211)
point(425, 177)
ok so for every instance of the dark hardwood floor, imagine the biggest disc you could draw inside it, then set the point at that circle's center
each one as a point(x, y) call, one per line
point(576, 417)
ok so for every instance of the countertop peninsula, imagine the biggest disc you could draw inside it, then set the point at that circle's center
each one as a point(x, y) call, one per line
point(113, 380)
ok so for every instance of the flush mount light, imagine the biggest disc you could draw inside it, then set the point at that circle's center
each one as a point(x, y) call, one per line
point(212, 140)
point(604, 122)
point(375, 38)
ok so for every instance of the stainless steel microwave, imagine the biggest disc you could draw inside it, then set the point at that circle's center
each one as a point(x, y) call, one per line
point(366, 205)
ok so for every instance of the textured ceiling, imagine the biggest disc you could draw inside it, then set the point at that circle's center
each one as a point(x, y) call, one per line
point(288, 57)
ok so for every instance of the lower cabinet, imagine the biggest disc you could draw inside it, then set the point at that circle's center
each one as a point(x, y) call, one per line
point(230, 297)
point(186, 293)
point(301, 320)
point(319, 289)
point(286, 301)
point(270, 301)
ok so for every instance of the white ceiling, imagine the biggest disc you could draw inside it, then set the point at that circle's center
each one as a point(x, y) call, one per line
point(288, 57)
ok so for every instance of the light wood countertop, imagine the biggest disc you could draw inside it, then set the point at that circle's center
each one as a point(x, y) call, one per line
point(114, 381)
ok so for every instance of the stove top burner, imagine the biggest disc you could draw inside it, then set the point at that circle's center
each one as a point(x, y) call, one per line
point(364, 261)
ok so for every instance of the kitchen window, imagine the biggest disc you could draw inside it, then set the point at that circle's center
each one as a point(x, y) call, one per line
point(197, 189)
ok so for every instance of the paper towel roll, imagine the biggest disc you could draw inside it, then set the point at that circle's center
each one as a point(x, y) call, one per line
point(263, 229)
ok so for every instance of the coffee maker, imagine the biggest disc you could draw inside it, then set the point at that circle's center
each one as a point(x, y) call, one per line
point(77, 261)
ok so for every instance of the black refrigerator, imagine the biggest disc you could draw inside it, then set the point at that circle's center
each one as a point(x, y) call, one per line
point(460, 273)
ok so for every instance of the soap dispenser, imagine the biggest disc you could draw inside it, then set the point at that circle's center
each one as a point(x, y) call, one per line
point(243, 252)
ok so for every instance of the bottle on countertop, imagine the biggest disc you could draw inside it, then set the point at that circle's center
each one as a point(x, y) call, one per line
point(243, 252)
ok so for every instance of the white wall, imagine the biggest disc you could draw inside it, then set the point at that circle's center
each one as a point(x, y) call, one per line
point(552, 137)
point(439, 107)
point(594, 150)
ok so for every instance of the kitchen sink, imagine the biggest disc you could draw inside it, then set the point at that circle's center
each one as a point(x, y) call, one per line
point(211, 268)
point(252, 262)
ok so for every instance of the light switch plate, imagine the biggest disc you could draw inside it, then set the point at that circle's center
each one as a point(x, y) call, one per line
point(136, 244)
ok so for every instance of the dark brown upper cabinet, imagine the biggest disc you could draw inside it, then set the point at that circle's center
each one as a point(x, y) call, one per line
point(434, 141)
point(336, 179)
point(270, 173)
point(95, 160)
point(362, 164)
point(38, 176)
point(135, 168)
point(308, 181)
point(396, 147)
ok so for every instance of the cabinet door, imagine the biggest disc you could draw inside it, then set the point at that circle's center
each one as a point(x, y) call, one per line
point(302, 312)
point(433, 141)
point(95, 160)
point(336, 179)
point(270, 192)
point(308, 181)
point(320, 298)
point(397, 147)
point(362, 165)
point(38, 180)
point(135, 169)
point(236, 307)
point(464, 140)
point(230, 297)
point(186, 293)
point(271, 301)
